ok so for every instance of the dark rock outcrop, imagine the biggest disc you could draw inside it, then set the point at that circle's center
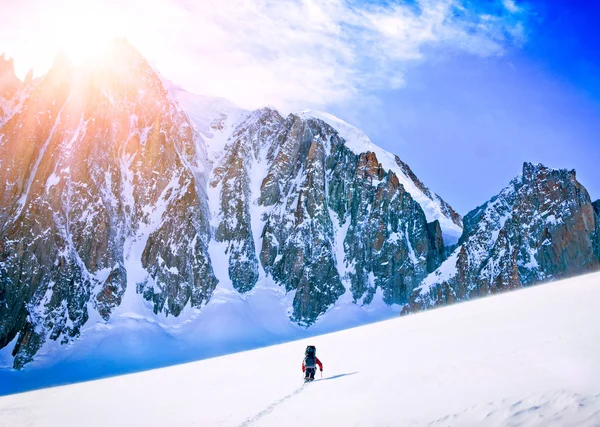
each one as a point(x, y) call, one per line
point(596, 205)
point(250, 142)
point(313, 187)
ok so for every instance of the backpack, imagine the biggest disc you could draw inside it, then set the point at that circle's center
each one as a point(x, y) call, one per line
point(310, 357)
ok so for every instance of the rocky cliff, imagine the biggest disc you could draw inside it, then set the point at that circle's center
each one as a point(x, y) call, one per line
point(98, 166)
point(326, 218)
point(596, 205)
point(542, 227)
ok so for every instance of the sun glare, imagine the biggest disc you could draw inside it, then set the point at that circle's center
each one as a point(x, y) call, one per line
point(80, 29)
point(84, 31)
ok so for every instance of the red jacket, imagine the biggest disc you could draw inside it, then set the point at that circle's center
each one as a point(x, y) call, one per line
point(318, 363)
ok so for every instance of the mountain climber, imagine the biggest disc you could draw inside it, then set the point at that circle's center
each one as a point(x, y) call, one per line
point(310, 362)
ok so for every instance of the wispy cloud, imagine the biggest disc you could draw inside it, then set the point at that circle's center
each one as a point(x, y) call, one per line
point(511, 6)
point(288, 53)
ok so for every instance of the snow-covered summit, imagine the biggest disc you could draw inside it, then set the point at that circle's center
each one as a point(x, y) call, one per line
point(204, 110)
point(216, 118)
point(213, 117)
point(434, 207)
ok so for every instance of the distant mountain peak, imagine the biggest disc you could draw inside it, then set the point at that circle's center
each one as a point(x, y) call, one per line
point(542, 227)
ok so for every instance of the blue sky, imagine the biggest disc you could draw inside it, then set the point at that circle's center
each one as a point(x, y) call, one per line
point(464, 91)
point(466, 123)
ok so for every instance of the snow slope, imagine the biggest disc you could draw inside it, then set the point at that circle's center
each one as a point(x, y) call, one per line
point(135, 339)
point(215, 118)
point(527, 358)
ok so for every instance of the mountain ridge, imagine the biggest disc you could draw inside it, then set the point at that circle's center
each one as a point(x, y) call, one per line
point(125, 197)
point(542, 227)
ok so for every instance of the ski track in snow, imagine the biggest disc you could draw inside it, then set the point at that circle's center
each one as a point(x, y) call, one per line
point(252, 420)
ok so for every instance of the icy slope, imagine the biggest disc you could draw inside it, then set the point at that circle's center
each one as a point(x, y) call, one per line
point(215, 118)
point(528, 358)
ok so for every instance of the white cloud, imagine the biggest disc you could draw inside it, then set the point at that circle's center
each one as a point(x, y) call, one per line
point(288, 53)
point(511, 6)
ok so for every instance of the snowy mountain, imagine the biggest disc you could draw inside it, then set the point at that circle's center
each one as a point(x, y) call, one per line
point(123, 195)
point(102, 188)
point(542, 227)
point(130, 207)
point(466, 365)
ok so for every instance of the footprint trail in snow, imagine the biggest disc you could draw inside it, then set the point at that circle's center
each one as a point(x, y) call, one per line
point(271, 407)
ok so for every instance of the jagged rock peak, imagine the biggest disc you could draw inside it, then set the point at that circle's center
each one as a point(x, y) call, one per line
point(542, 227)
point(61, 63)
point(295, 202)
point(121, 46)
point(10, 88)
point(122, 54)
point(536, 172)
point(119, 58)
point(102, 190)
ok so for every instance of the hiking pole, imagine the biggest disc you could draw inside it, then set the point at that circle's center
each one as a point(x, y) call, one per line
point(321, 373)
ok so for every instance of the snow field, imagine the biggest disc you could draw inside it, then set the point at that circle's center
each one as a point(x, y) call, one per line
point(526, 358)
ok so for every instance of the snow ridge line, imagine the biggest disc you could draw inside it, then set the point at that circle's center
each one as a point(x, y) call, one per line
point(271, 407)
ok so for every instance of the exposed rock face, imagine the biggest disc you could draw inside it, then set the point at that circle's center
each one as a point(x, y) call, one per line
point(99, 169)
point(597, 210)
point(542, 227)
point(298, 232)
point(329, 219)
point(253, 139)
point(388, 243)
point(434, 207)
point(439, 252)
